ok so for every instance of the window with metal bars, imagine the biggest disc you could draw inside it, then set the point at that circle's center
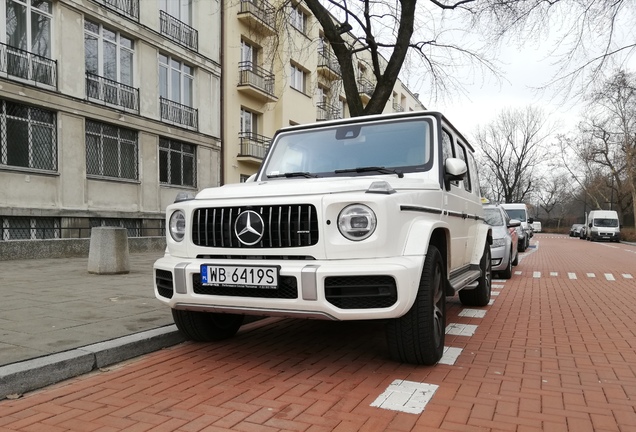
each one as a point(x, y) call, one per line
point(111, 151)
point(177, 163)
point(28, 137)
point(133, 226)
point(26, 228)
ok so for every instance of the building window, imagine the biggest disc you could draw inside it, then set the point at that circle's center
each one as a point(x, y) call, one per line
point(177, 163)
point(180, 9)
point(108, 53)
point(248, 122)
point(28, 137)
point(175, 80)
point(26, 228)
point(297, 78)
point(28, 25)
point(111, 151)
point(298, 19)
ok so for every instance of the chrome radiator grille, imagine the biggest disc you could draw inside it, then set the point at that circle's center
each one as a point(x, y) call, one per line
point(279, 226)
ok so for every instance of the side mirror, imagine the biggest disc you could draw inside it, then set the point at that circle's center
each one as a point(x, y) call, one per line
point(589, 225)
point(530, 220)
point(514, 223)
point(251, 178)
point(454, 170)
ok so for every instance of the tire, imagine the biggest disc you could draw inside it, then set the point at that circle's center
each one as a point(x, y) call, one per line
point(206, 326)
point(507, 273)
point(480, 296)
point(418, 336)
point(515, 262)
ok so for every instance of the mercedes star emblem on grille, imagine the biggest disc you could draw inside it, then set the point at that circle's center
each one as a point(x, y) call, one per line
point(249, 227)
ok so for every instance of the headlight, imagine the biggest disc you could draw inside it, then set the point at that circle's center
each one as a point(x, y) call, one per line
point(356, 222)
point(498, 242)
point(177, 225)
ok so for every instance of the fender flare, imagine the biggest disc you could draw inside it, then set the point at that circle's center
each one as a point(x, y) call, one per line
point(483, 237)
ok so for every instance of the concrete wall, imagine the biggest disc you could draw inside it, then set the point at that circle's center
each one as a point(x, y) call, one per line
point(69, 248)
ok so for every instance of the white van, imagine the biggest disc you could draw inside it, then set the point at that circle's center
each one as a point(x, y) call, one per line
point(603, 225)
point(519, 211)
point(536, 226)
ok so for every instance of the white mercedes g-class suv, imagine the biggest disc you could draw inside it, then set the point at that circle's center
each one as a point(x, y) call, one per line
point(376, 217)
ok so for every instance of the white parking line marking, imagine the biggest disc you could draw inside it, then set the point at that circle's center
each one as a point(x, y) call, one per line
point(491, 302)
point(572, 275)
point(627, 276)
point(450, 355)
point(499, 280)
point(497, 286)
point(406, 396)
point(591, 275)
point(473, 313)
point(494, 293)
point(609, 276)
point(536, 275)
point(461, 329)
point(518, 272)
point(554, 273)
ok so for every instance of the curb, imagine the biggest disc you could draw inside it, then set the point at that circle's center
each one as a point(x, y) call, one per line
point(22, 377)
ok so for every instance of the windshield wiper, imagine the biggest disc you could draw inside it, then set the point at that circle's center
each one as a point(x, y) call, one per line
point(293, 174)
point(381, 170)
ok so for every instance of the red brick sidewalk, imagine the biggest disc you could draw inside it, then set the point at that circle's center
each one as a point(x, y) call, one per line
point(552, 353)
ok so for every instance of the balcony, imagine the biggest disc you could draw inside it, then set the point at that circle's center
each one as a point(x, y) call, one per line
point(252, 147)
point(365, 89)
point(129, 8)
point(259, 16)
point(179, 114)
point(397, 107)
point(112, 93)
point(25, 66)
point(179, 32)
point(328, 64)
point(324, 111)
point(256, 82)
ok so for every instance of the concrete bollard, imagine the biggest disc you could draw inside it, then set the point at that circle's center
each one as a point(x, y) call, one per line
point(108, 253)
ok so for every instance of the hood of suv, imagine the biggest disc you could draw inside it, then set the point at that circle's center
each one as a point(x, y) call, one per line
point(305, 186)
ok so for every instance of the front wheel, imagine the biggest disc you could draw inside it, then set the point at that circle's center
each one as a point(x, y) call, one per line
point(480, 296)
point(418, 336)
point(206, 326)
point(507, 273)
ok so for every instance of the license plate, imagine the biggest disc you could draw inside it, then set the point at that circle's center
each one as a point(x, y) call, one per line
point(265, 277)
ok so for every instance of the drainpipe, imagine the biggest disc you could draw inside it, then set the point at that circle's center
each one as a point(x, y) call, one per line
point(222, 95)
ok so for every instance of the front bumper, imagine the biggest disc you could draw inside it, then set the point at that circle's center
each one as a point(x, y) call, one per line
point(334, 290)
point(499, 257)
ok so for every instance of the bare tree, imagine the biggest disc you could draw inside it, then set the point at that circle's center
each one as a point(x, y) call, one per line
point(512, 147)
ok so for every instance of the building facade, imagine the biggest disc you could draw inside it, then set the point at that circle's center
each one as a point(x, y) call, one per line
point(278, 70)
point(108, 109)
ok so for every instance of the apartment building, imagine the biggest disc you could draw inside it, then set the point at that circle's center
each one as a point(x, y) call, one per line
point(108, 109)
point(278, 70)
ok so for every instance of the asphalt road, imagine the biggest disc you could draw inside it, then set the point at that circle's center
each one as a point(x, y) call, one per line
point(554, 351)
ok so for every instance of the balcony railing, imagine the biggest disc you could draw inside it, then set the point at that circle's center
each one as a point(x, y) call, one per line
point(252, 75)
point(253, 144)
point(365, 87)
point(112, 92)
point(18, 63)
point(259, 15)
point(325, 111)
point(179, 114)
point(129, 8)
point(327, 59)
point(397, 107)
point(179, 31)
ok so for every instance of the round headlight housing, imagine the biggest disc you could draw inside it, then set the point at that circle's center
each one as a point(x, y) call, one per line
point(357, 222)
point(177, 225)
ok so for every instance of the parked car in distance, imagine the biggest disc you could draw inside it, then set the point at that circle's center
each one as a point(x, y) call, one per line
point(575, 230)
point(504, 250)
point(519, 211)
point(536, 226)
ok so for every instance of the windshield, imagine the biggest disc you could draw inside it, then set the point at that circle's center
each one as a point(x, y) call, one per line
point(609, 223)
point(493, 217)
point(519, 214)
point(388, 147)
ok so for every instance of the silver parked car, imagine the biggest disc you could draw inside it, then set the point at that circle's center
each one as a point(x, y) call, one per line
point(504, 250)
